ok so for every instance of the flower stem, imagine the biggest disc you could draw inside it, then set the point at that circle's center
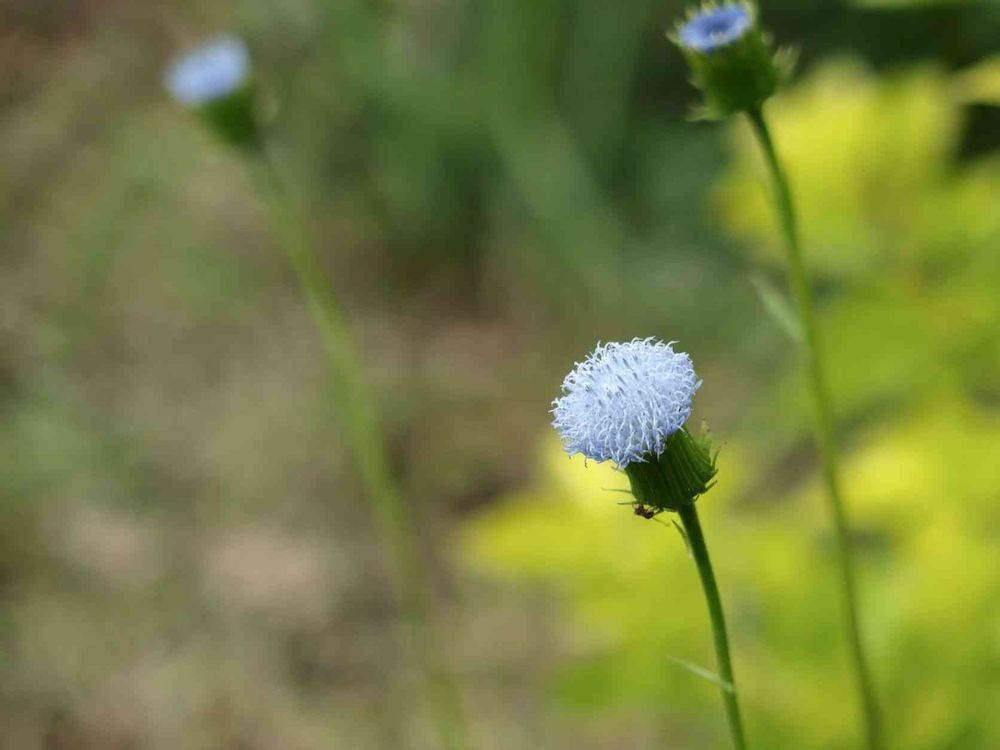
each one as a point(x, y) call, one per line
point(361, 421)
point(823, 425)
point(699, 550)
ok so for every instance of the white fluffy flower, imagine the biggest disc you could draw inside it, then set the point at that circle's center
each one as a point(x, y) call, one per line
point(624, 401)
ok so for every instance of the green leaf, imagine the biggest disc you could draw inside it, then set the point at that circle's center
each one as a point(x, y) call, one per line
point(705, 674)
point(777, 306)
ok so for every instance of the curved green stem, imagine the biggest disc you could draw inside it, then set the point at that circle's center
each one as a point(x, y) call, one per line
point(824, 427)
point(361, 421)
point(699, 550)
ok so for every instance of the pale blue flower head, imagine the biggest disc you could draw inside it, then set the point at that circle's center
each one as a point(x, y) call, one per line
point(732, 59)
point(713, 28)
point(625, 400)
point(213, 71)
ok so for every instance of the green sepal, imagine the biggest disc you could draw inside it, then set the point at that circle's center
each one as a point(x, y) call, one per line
point(739, 76)
point(233, 118)
point(678, 476)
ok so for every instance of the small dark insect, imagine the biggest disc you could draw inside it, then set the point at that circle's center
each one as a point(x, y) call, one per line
point(647, 513)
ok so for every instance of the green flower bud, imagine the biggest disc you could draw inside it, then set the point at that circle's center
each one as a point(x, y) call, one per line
point(233, 117)
point(216, 80)
point(732, 60)
point(683, 471)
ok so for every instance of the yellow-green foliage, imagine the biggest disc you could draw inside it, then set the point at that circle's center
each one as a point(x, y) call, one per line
point(909, 243)
point(981, 82)
point(863, 155)
point(926, 505)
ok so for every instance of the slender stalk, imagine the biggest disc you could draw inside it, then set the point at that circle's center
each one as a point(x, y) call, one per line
point(824, 427)
point(361, 421)
point(699, 550)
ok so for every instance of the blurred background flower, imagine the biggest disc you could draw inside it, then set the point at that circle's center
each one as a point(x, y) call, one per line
point(215, 69)
point(183, 558)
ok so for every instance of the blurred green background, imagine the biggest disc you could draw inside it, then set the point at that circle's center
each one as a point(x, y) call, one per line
point(186, 557)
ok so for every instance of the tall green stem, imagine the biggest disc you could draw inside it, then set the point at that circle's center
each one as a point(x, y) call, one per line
point(824, 427)
point(360, 415)
point(699, 550)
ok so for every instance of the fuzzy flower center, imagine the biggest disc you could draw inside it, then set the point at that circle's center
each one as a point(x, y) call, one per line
point(716, 27)
point(624, 401)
